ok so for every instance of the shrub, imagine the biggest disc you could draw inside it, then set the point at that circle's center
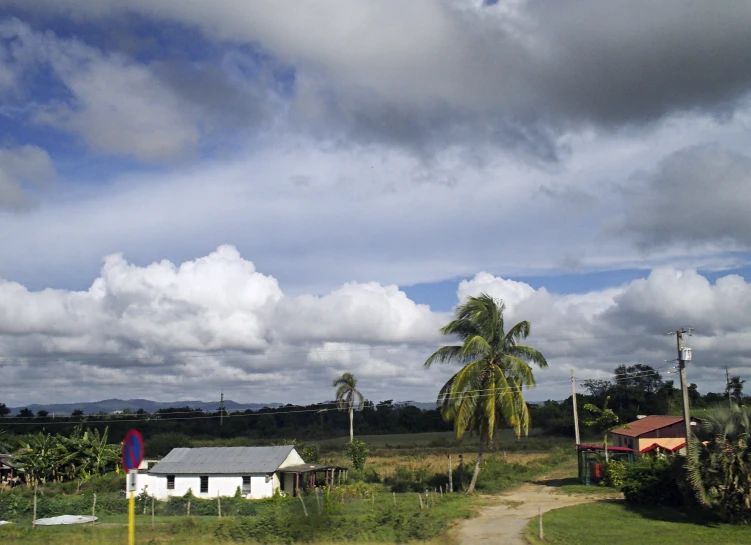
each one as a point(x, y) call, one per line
point(613, 473)
point(357, 452)
point(653, 481)
point(310, 453)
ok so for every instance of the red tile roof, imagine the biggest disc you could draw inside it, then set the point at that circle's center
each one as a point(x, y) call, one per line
point(647, 424)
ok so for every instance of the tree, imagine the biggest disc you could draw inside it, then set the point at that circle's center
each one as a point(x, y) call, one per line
point(41, 413)
point(4, 410)
point(604, 421)
point(719, 467)
point(40, 458)
point(735, 388)
point(347, 396)
point(26, 413)
point(487, 390)
point(597, 388)
point(4, 446)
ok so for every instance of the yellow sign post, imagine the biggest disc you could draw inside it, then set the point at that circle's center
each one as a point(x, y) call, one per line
point(132, 456)
point(131, 508)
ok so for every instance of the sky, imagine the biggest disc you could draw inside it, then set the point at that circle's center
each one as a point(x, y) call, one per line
point(230, 196)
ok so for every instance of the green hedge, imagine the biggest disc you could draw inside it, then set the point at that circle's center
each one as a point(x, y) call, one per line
point(654, 481)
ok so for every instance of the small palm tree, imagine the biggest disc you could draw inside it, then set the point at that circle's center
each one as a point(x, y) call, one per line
point(347, 397)
point(719, 468)
point(604, 421)
point(735, 388)
point(487, 390)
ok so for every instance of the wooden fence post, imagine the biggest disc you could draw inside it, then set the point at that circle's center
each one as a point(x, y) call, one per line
point(219, 504)
point(34, 516)
point(152, 511)
point(394, 494)
point(451, 477)
point(420, 498)
point(539, 514)
point(93, 506)
point(188, 507)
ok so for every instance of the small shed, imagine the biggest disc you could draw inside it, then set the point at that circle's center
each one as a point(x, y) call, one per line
point(590, 457)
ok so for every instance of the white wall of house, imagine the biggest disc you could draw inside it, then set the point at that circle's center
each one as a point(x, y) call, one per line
point(292, 459)
point(261, 486)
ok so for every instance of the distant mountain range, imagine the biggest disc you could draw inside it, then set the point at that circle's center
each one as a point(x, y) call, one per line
point(115, 405)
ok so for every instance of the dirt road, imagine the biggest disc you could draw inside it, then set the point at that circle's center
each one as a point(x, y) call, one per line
point(504, 521)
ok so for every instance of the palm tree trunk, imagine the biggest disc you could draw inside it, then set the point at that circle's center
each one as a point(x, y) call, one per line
point(477, 469)
point(351, 425)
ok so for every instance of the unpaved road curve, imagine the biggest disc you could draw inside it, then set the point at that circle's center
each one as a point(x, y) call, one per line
point(504, 522)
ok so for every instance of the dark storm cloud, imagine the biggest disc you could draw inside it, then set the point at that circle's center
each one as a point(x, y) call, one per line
point(628, 62)
point(508, 74)
point(697, 195)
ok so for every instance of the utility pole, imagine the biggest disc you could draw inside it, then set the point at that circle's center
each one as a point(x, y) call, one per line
point(221, 410)
point(576, 412)
point(684, 355)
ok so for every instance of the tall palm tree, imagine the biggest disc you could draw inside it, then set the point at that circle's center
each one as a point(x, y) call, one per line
point(735, 388)
point(487, 390)
point(347, 397)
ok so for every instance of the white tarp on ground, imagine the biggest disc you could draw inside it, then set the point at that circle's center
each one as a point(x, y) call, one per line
point(4, 522)
point(65, 519)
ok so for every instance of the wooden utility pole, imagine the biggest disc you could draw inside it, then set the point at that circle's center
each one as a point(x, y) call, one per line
point(576, 412)
point(684, 385)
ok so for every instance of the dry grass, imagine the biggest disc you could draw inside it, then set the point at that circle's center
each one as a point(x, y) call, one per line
point(385, 466)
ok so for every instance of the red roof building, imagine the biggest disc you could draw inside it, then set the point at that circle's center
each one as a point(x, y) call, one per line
point(650, 432)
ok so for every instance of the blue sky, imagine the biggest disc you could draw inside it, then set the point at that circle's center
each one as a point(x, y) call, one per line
point(369, 172)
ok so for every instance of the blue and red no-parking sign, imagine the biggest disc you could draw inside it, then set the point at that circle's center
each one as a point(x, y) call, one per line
point(132, 454)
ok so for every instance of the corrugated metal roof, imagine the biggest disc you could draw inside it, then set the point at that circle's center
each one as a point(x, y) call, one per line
point(647, 424)
point(222, 460)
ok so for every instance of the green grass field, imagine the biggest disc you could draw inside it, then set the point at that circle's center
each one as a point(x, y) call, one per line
point(612, 522)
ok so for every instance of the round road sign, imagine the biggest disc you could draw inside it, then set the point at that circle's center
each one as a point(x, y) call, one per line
point(132, 454)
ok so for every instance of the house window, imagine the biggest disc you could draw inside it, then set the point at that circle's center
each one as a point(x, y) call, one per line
point(204, 484)
point(246, 485)
point(170, 482)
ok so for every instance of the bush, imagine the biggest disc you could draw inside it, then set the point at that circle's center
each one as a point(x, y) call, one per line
point(654, 481)
point(357, 452)
point(613, 473)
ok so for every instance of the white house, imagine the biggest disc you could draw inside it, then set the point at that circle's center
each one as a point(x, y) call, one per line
point(219, 471)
